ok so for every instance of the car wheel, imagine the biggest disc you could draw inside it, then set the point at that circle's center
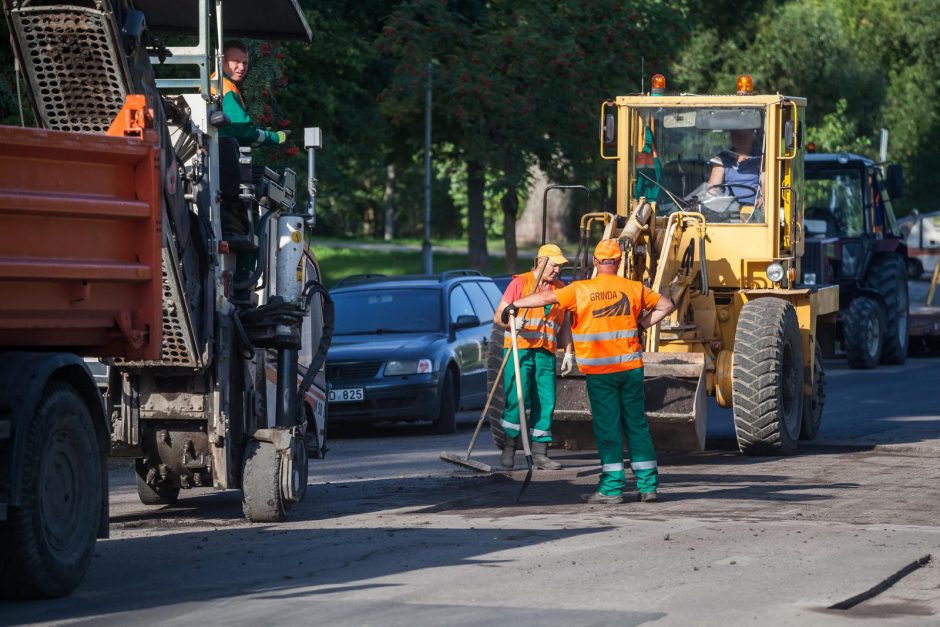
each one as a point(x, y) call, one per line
point(447, 415)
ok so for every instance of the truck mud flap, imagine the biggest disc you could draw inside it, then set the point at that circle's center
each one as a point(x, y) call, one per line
point(676, 406)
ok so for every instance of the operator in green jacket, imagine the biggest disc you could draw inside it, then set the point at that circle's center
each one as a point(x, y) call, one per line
point(240, 131)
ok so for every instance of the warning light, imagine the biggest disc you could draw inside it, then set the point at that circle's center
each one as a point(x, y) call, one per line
point(810, 146)
point(658, 85)
point(745, 86)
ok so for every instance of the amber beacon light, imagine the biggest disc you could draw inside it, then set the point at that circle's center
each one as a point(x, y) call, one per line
point(745, 85)
point(658, 84)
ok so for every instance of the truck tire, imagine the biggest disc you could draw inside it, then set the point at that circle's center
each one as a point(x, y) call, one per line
point(888, 275)
point(814, 402)
point(163, 494)
point(262, 499)
point(48, 541)
point(767, 378)
point(446, 422)
point(915, 269)
point(863, 329)
point(493, 361)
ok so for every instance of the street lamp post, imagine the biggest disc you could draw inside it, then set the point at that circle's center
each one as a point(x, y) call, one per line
point(426, 261)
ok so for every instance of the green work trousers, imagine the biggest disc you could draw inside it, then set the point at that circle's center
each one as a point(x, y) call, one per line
point(618, 408)
point(537, 370)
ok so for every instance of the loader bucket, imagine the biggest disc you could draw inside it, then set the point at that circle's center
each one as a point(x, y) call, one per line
point(676, 406)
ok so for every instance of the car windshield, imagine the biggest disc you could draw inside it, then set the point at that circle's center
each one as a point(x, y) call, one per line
point(708, 160)
point(834, 203)
point(387, 311)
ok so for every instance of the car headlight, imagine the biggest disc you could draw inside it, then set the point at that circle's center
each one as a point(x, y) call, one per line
point(775, 272)
point(409, 366)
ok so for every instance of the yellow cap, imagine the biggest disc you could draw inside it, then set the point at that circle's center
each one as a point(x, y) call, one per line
point(607, 249)
point(553, 253)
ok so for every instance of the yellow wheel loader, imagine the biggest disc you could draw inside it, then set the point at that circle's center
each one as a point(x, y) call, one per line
point(709, 212)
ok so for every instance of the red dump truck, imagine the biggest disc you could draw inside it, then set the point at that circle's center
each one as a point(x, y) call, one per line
point(80, 276)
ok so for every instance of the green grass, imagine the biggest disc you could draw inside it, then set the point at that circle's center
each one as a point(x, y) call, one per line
point(336, 263)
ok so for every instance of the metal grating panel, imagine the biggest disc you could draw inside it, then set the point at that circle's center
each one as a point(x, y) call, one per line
point(72, 63)
point(178, 343)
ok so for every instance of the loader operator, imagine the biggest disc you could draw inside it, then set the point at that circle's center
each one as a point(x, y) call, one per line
point(608, 314)
point(240, 131)
point(737, 172)
point(539, 332)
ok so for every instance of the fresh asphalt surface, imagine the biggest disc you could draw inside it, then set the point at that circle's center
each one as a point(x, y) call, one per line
point(390, 535)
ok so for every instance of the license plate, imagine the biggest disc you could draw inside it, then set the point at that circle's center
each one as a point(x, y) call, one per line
point(347, 396)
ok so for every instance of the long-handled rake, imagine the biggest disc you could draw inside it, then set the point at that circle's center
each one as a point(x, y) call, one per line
point(465, 461)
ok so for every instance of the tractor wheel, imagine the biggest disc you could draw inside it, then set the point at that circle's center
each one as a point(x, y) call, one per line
point(48, 540)
point(493, 362)
point(446, 422)
point(262, 499)
point(888, 276)
point(863, 332)
point(767, 378)
point(813, 403)
point(163, 494)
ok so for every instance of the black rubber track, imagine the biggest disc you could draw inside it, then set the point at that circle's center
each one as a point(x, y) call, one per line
point(767, 378)
point(493, 361)
point(888, 275)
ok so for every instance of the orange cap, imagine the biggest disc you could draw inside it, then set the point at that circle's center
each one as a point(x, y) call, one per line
point(607, 249)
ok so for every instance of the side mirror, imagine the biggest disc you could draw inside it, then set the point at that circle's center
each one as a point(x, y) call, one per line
point(792, 139)
point(895, 181)
point(608, 130)
point(466, 321)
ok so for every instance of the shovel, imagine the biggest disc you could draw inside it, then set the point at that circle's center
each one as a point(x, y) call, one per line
point(465, 460)
point(523, 428)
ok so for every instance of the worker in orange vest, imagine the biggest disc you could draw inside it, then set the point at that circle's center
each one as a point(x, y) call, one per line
point(609, 313)
point(540, 330)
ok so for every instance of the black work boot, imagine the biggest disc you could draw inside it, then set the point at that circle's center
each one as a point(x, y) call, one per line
point(508, 459)
point(540, 457)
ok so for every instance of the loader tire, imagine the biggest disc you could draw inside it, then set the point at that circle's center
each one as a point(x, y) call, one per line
point(863, 329)
point(493, 361)
point(888, 275)
point(813, 403)
point(262, 499)
point(48, 540)
point(767, 378)
point(163, 494)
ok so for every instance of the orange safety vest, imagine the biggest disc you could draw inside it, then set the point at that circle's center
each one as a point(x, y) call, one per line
point(604, 323)
point(540, 330)
point(227, 86)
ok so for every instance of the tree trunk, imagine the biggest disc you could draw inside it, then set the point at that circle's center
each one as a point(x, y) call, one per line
point(510, 205)
point(476, 223)
point(389, 201)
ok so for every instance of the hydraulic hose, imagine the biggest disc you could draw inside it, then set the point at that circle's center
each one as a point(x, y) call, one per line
point(311, 288)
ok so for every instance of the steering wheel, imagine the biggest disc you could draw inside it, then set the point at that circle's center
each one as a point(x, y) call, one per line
point(730, 187)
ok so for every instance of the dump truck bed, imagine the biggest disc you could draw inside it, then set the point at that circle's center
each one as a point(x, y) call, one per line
point(80, 243)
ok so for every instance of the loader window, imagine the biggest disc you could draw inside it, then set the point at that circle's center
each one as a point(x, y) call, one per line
point(834, 202)
point(707, 160)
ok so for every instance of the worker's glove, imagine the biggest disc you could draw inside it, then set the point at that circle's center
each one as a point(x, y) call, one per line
point(567, 364)
point(510, 310)
point(282, 136)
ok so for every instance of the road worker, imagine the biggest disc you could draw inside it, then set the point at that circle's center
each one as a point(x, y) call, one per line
point(540, 330)
point(609, 313)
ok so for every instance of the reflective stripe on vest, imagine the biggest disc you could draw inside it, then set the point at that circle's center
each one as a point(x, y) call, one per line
point(609, 335)
point(539, 330)
point(607, 361)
